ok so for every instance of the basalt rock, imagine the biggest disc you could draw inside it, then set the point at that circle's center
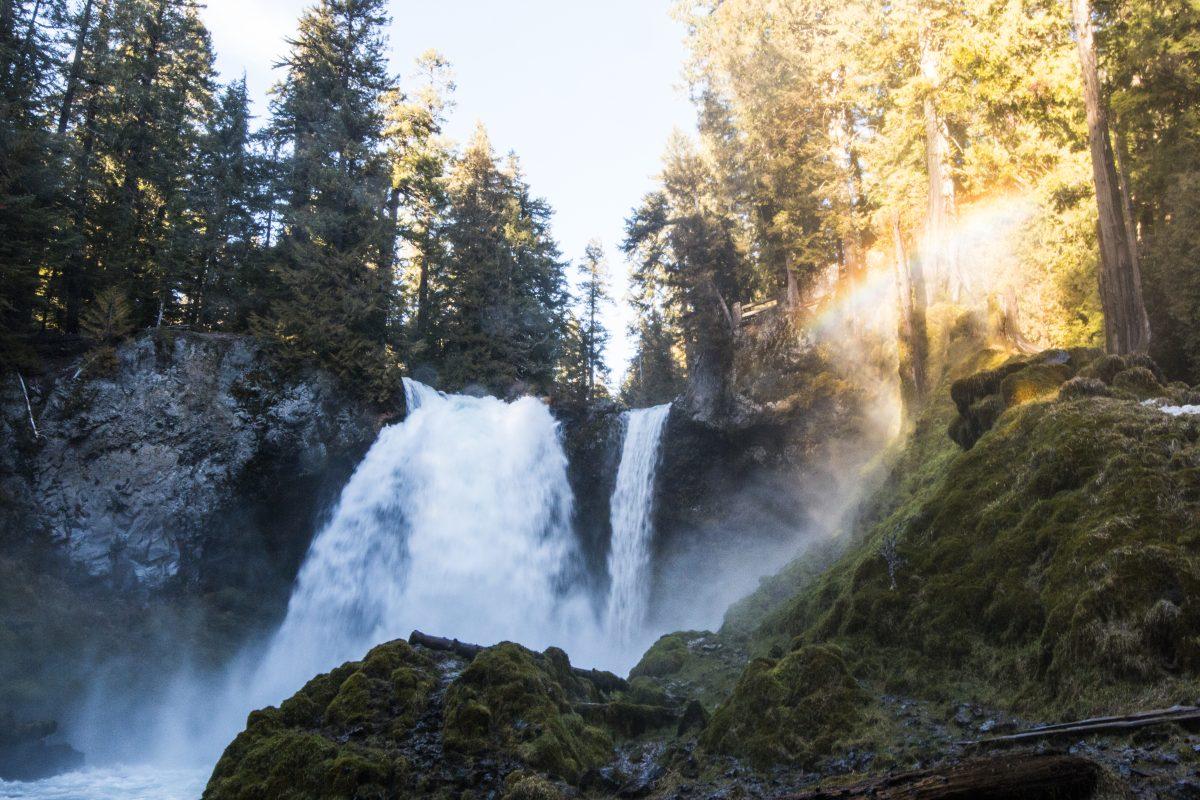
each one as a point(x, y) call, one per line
point(410, 721)
point(26, 754)
point(592, 437)
point(183, 456)
point(173, 485)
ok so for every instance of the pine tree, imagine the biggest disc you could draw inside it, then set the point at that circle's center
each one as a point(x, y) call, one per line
point(593, 336)
point(654, 375)
point(30, 181)
point(335, 289)
point(161, 92)
point(419, 160)
point(227, 195)
point(502, 304)
point(684, 244)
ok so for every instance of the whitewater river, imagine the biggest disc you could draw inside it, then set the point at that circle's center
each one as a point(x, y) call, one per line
point(113, 783)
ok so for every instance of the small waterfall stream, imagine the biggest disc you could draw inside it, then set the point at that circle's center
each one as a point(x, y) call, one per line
point(631, 510)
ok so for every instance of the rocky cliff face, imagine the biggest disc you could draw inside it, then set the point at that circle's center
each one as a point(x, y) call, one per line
point(147, 470)
point(739, 493)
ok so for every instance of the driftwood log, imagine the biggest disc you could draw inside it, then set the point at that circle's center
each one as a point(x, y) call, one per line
point(1177, 714)
point(1010, 777)
point(604, 681)
point(445, 645)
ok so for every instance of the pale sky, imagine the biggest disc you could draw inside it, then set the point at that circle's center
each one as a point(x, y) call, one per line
point(586, 93)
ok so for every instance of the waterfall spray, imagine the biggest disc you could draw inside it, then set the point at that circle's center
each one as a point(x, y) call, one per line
point(457, 521)
point(631, 510)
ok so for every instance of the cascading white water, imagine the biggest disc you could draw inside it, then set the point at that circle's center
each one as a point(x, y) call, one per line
point(457, 522)
point(631, 509)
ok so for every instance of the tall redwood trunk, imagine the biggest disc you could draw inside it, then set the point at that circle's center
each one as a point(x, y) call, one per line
point(1126, 327)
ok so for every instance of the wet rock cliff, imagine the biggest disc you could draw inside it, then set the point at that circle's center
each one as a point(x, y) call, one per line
point(185, 455)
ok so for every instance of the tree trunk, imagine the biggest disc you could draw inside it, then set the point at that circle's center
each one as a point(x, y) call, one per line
point(423, 297)
point(1126, 327)
point(912, 337)
point(68, 98)
point(939, 253)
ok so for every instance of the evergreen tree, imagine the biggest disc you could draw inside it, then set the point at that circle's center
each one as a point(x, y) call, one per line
point(335, 288)
point(227, 195)
point(149, 131)
point(654, 375)
point(593, 336)
point(419, 160)
point(30, 181)
point(684, 244)
point(501, 307)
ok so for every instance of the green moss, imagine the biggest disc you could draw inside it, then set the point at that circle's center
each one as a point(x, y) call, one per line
point(338, 737)
point(1051, 571)
point(1033, 383)
point(645, 691)
point(1104, 368)
point(267, 761)
point(665, 657)
point(692, 664)
point(352, 704)
point(528, 786)
point(1051, 568)
point(788, 711)
point(1138, 383)
point(516, 701)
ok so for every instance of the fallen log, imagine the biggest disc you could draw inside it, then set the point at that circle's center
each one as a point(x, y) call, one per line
point(1095, 725)
point(1011, 777)
point(445, 645)
point(604, 681)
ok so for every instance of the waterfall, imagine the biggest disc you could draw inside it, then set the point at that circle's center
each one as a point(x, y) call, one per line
point(631, 510)
point(457, 521)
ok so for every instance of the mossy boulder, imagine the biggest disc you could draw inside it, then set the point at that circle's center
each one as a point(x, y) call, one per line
point(411, 721)
point(1052, 569)
point(982, 398)
point(688, 665)
point(1138, 383)
point(790, 710)
point(341, 736)
point(665, 657)
point(530, 786)
point(513, 700)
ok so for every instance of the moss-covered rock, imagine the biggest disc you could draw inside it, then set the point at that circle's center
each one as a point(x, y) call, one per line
point(688, 665)
point(341, 736)
point(1138, 383)
point(790, 710)
point(530, 786)
point(411, 722)
point(514, 700)
point(665, 657)
point(1051, 569)
point(981, 398)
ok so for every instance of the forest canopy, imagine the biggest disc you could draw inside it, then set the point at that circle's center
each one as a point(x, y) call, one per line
point(945, 141)
point(967, 152)
point(345, 229)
